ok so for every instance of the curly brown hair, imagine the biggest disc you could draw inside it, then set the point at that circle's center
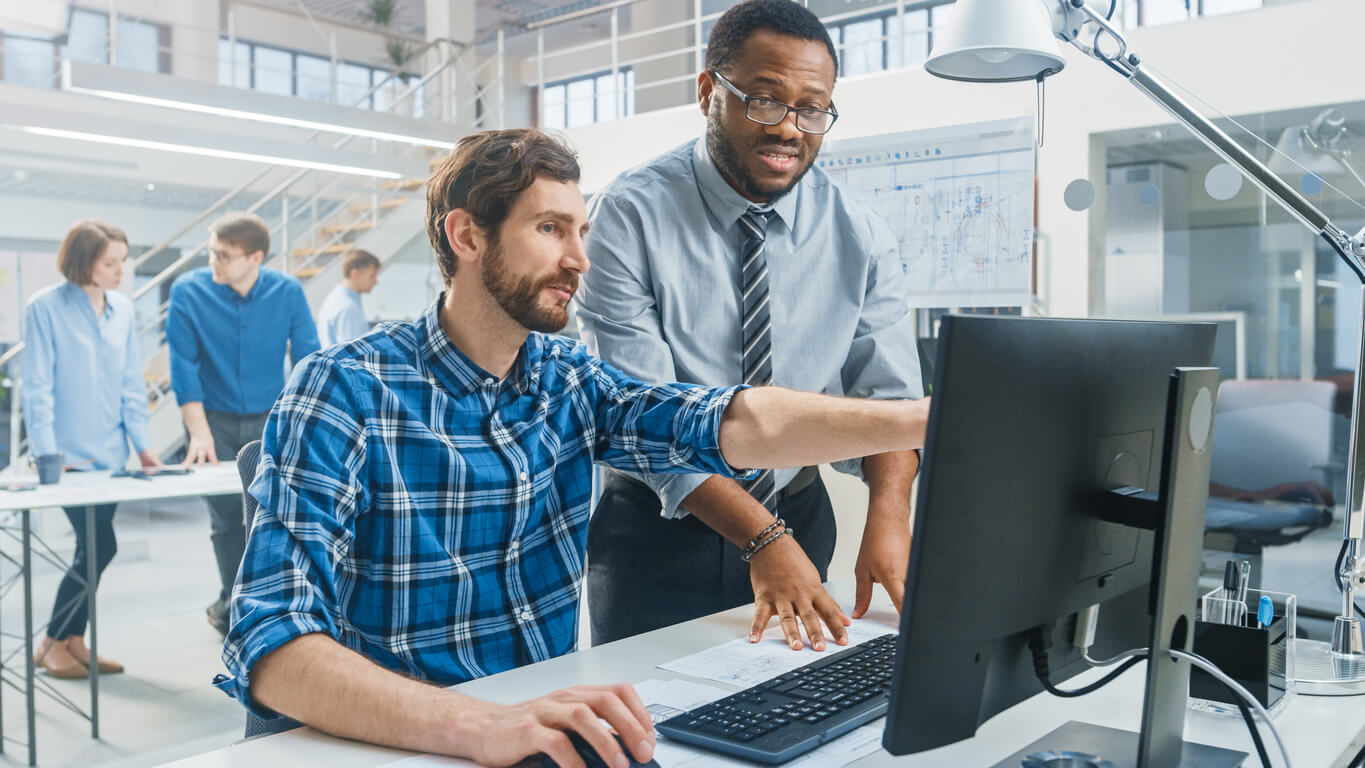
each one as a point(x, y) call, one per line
point(485, 175)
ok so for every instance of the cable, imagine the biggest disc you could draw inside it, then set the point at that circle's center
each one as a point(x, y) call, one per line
point(1212, 669)
point(1039, 643)
point(1255, 733)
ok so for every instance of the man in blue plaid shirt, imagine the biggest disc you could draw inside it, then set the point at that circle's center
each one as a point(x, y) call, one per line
point(424, 489)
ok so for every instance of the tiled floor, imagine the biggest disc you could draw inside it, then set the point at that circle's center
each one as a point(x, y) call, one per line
point(151, 611)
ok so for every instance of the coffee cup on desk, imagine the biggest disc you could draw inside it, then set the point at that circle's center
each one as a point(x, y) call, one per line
point(49, 468)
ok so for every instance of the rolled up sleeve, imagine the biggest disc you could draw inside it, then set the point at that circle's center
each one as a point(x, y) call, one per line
point(309, 487)
point(38, 365)
point(185, 350)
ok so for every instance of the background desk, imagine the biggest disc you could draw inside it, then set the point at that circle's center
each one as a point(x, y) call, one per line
point(1321, 732)
point(88, 489)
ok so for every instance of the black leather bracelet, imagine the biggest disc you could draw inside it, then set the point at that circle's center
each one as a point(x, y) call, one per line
point(764, 533)
point(749, 552)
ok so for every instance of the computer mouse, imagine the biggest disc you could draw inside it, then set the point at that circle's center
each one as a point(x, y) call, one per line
point(590, 756)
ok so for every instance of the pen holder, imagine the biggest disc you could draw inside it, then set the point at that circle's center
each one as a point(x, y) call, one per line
point(1261, 659)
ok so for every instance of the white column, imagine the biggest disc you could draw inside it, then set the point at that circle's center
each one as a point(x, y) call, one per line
point(454, 20)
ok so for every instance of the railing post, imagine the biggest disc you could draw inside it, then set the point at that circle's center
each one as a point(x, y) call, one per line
point(232, 45)
point(333, 84)
point(540, 76)
point(615, 63)
point(899, 58)
point(113, 33)
point(502, 82)
point(696, 34)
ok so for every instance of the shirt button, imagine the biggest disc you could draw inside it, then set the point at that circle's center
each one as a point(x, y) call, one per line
point(524, 477)
point(515, 546)
point(490, 382)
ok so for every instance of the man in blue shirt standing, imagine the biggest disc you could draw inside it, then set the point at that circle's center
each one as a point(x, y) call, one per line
point(342, 316)
point(730, 259)
point(229, 328)
point(424, 489)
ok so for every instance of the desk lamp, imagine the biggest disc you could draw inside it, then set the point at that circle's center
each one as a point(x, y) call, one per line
point(1001, 41)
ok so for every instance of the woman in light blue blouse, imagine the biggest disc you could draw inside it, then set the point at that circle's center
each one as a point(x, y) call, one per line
point(84, 397)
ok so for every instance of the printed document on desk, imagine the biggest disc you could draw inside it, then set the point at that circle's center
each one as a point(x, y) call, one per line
point(744, 664)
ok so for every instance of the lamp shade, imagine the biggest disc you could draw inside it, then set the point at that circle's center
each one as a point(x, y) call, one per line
point(996, 41)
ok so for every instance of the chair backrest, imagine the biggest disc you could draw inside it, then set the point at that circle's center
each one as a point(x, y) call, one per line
point(1272, 431)
point(247, 459)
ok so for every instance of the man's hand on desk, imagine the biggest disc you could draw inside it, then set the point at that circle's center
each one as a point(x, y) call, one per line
point(884, 555)
point(505, 735)
point(787, 585)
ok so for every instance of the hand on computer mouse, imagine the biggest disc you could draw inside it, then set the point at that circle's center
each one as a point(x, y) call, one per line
point(590, 757)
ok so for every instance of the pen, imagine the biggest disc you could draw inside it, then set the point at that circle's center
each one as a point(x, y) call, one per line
point(1229, 592)
point(1243, 576)
point(1265, 612)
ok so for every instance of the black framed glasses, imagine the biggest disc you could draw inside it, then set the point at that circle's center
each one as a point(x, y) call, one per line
point(769, 112)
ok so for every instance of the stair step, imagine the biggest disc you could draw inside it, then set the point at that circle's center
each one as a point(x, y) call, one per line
point(404, 185)
point(438, 160)
point(307, 272)
point(384, 205)
point(322, 251)
point(356, 226)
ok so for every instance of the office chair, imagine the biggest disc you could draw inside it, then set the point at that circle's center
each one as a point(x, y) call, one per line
point(247, 459)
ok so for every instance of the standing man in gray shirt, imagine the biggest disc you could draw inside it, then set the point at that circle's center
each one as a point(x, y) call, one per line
point(731, 260)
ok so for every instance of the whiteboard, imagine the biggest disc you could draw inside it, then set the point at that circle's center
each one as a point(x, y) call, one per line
point(960, 203)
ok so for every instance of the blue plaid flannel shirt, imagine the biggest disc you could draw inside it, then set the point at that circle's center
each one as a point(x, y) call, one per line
point(434, 519)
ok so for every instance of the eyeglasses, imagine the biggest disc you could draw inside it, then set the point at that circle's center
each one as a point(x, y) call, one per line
point(769, 112)
point(218, 254)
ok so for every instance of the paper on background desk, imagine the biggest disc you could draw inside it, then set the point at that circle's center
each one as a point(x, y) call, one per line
point(742, 663)
point(666, 698)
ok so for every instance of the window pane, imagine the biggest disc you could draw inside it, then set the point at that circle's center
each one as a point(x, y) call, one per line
point(419, 99)
point(138, 45)
point(629, 77)
point(939, 16)
point(606, 97)
point(314, 77)
point(916, 42)
point(1215, 7)
point(353, 81)
point(273, 70)
point(553, 118)
point(1164, 11)
point(388, 88)
point(863, 47)
point(30, 62)
point(89, 37)
point(580, 102)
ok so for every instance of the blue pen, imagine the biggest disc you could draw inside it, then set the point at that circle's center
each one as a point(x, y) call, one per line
point(1265, 612)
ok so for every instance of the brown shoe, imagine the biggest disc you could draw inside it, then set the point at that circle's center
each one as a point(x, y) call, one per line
point(71, 671)
point(109, 667)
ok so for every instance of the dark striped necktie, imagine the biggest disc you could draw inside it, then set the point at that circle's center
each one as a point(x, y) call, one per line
point(756, 328)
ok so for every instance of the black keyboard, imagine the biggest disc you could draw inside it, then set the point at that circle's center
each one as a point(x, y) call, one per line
point(794, 713)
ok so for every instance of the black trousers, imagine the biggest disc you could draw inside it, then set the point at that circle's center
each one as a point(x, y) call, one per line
point(230, 431)
point(70, 612)
point(646, 572)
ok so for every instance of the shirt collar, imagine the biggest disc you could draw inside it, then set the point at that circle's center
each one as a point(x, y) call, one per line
point(76, 294)
point(723, 201)
point(349, 292)
point(461, 375)
point(231, 293)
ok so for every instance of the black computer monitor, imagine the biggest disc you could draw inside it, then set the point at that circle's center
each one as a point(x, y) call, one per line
point(1033, 422)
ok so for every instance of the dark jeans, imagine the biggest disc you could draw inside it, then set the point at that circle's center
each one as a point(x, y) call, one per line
point(646, 572)
point(69, 610)
point(230, 431)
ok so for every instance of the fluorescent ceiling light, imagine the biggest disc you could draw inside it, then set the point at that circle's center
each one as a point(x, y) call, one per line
point(77, 126)
point(237, 103)
point(226, 154)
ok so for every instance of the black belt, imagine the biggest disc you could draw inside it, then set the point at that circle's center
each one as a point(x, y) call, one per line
point(801, 482)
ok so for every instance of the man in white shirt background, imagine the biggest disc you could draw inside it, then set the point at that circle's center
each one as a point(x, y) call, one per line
point(342, 316)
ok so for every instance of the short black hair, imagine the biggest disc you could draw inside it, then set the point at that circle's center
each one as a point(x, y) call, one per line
point(785, 17)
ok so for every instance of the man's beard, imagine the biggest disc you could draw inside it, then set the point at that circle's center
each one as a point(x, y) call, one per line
point(726, 157)
point(520, 297)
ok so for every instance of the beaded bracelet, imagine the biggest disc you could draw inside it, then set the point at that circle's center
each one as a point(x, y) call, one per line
point(764, 533)
point(754, 549)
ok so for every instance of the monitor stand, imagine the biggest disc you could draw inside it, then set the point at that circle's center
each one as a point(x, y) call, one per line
point(1177, 517)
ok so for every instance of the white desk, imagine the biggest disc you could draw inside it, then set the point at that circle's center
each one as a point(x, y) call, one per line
point(88, 489)
point(1320, 732)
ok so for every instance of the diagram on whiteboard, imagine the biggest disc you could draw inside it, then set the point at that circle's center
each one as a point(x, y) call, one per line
point(960, 202)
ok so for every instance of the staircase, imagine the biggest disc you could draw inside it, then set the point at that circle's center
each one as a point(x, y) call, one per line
point(314, 217)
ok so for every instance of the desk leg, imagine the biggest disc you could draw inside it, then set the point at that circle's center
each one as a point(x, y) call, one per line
point(28, 640)
point(91, 575)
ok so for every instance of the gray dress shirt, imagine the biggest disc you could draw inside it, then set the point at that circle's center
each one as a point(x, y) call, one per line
point(661, 300)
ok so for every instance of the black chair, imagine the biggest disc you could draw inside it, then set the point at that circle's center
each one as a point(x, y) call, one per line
point(247, 459)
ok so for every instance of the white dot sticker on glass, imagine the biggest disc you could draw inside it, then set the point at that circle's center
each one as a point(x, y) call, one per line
point(1223, 182)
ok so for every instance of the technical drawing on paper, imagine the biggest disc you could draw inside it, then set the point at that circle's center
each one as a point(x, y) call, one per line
point(960, 203)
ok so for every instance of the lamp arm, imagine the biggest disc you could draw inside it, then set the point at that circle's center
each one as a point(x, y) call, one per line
point(1351, 574)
